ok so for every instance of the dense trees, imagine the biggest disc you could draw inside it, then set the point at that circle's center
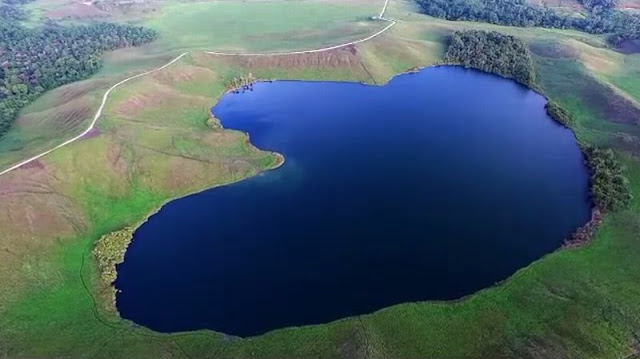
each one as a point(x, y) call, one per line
point(492, 52)
point(35, 60)
point(609, 188)
point(601, 17)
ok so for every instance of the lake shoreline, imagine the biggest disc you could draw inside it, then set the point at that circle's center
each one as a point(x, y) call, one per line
point(279, 159)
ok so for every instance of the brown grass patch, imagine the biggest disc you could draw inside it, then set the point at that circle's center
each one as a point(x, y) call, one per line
point(61, 119)
point(33, 204)
point(186, 73)
point(73, 91)
point(611, 105)
point(597, 63)
point(65, 94)
point(554, 50)
point(629, 4)
point(116, 160)
point(355, 2)
point(128, 9)
point(327, 35)
point(570, 4)
point(133, 105)
point(34, 215)
point(181, 173)
point(600, 60)
point(625, 142)
point(76, 10)
point(339, 58)
point(629, 47)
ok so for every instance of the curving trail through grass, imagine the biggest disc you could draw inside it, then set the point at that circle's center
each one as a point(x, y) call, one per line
point(98, 113)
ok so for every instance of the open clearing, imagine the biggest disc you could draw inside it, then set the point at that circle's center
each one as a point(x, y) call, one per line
point(578, 303)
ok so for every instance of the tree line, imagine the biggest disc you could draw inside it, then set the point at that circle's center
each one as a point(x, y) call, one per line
point(493, 52)
point(34, 60)
point(601, 16)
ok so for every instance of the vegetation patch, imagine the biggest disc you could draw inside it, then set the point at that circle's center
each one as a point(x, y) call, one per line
point(609, 187)
point(213, 122)
point(240, 83)
point(559, 114)
point(585, 233)
point(108, 253)
point(493, 52)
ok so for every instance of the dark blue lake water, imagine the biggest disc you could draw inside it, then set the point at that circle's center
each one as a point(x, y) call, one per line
point(429, 188)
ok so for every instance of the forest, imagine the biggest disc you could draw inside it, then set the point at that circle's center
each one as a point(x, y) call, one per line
point(34, 60)
point(601, 18)
point(493, 52)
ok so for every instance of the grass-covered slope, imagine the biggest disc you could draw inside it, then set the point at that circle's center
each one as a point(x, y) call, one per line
point(153, 144)
point(231, 26)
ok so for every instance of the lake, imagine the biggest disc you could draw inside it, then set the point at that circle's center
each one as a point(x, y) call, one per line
point(431, 187)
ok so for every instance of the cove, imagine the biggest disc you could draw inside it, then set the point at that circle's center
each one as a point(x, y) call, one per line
point(431, 187)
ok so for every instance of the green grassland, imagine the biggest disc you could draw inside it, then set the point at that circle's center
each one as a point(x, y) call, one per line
point(304, 24)
point(153, 145)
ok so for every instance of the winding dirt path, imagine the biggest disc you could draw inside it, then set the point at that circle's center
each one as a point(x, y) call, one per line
point(92, 125)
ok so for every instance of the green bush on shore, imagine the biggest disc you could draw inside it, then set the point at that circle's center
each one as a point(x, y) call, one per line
point(109, 252)
point(559, 114)
point(609, 187)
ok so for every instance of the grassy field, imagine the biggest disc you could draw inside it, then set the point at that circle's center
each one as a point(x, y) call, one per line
point(234, 26)
point(305, 24)
point(153, 145)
